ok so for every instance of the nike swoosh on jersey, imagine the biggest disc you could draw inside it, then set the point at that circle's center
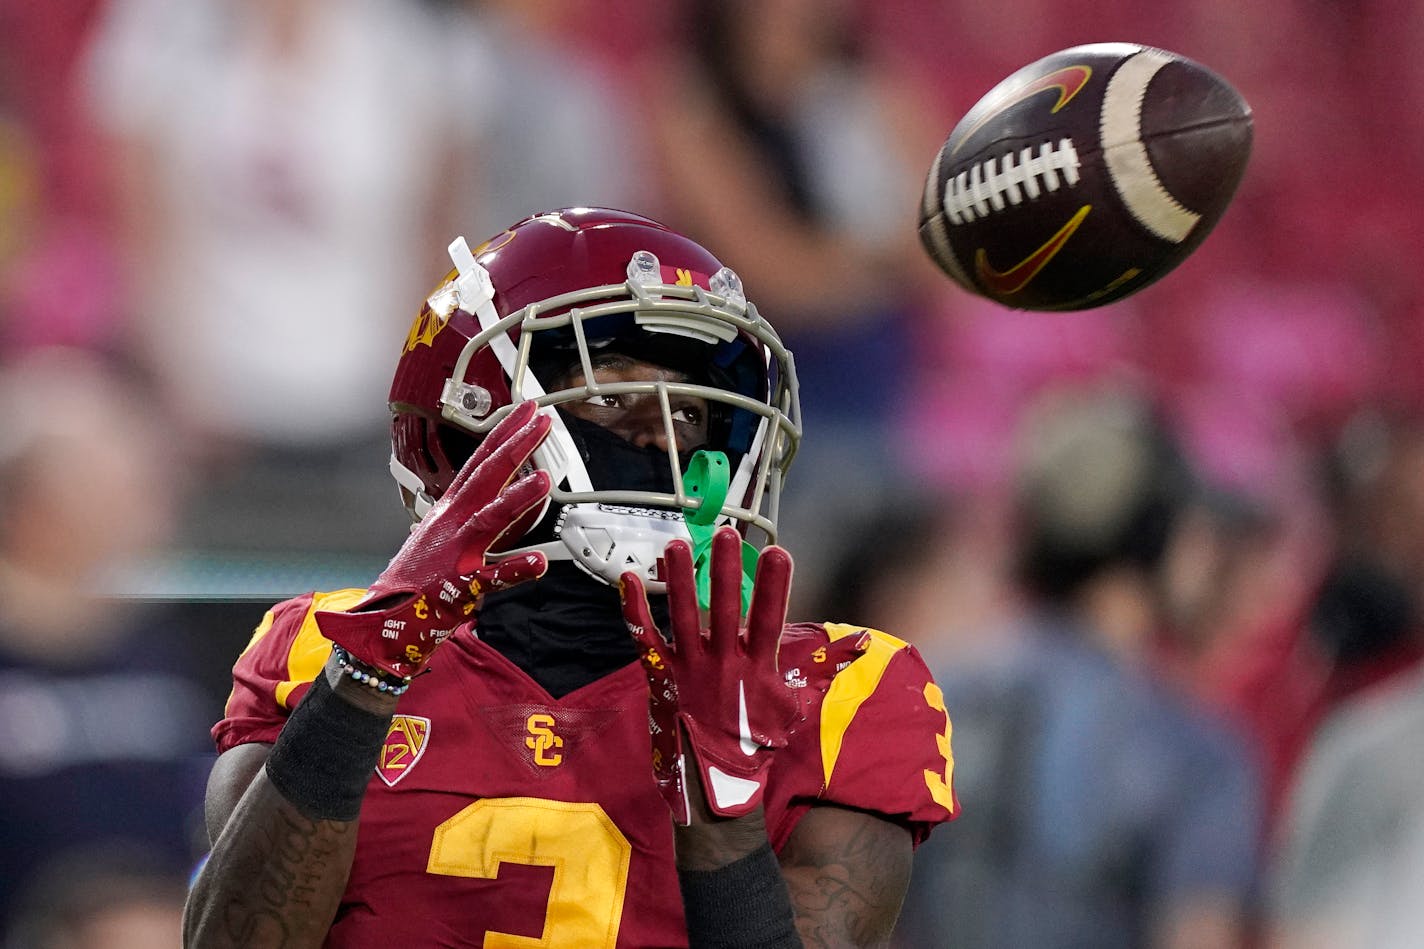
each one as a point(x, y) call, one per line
point(744, 727)
point(1007, 282)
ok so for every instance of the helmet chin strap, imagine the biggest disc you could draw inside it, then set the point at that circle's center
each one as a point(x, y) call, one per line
point(475, 294)
point(420, 503)
point(603, 540)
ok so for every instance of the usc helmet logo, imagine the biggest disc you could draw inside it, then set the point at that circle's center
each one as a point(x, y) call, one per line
point(432, 318)
point(424, 330)
point(442, 300)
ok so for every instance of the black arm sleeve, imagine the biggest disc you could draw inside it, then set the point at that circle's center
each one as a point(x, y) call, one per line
point(744, 905)
point(325, 754)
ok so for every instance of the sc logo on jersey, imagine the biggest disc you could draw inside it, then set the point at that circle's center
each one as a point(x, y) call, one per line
point(542, 740)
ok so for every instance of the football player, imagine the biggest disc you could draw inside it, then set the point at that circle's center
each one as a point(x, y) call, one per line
point(591, 428)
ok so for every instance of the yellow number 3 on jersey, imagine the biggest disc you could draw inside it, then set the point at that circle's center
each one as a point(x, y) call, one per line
point(941, 785)
point(588, 853)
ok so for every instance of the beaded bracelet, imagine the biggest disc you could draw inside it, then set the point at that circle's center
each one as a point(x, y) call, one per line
point(366, 675)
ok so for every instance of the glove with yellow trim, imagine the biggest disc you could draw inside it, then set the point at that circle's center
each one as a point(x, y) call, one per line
point(432, 584)
point(717, 692)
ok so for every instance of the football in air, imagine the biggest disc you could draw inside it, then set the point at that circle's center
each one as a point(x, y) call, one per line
point(1085, 176)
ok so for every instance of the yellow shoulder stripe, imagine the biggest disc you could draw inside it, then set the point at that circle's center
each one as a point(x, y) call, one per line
point(309, 650)
point(850, 688)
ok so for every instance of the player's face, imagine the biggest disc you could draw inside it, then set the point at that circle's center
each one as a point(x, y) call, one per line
point(638, 417)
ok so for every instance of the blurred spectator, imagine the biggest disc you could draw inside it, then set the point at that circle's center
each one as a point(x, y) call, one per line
point(100, 899)
point(1351, 866)
point(1377, 469)
point(912, 544)
point(19, 199)
point(1101, 808)
point(775, 137)
point(549, 126)
point(778, 138)
point(1323, 615)
point(40, 46)
point(52, 205)
point(103, 726)
point(284, 169)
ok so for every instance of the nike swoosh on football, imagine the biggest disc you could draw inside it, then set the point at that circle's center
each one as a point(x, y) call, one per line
point(744, 726)
point(1069, 81)
point(1011, 281)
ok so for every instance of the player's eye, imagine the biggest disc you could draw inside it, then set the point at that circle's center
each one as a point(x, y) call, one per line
point(605, 400)
point(689, 414)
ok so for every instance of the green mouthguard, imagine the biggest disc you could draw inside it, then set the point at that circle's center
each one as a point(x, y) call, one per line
point(706, 479)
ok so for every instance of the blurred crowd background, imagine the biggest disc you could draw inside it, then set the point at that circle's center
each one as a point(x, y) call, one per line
point(1166, 556)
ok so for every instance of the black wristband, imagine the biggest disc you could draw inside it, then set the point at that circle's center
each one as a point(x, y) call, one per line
point(744, 904)
point(326, 752)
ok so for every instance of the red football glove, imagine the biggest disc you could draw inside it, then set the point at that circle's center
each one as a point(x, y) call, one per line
point(431, 585)
point(719, 688)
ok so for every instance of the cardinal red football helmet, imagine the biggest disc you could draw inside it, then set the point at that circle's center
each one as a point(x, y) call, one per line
point(549, 293)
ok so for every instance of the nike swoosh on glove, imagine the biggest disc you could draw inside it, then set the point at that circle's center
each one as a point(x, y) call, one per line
point(432, 584)
point(717, 691)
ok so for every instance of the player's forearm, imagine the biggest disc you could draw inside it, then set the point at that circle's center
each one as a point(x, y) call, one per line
point(275, 877)
point(847, 872)
point(710, 844)
point(733, 892)
point(281, 862)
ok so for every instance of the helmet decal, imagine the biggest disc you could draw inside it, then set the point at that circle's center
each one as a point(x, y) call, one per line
point(424, 330)
point(432, 317)
point(495, 243)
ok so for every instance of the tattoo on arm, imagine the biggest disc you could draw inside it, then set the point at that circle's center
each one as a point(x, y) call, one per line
point(848, 873)
point(275, 878)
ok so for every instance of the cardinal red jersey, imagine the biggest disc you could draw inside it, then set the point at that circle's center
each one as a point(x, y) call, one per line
point(501, 816)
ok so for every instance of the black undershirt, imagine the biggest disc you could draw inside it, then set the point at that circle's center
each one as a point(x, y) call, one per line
point(564, 630)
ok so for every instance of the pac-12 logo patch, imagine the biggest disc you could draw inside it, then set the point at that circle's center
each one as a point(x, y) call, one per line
point(405, 743)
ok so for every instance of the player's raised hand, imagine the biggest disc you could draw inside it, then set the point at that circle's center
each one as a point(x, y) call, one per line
point(431, 585)
point(716, 692)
